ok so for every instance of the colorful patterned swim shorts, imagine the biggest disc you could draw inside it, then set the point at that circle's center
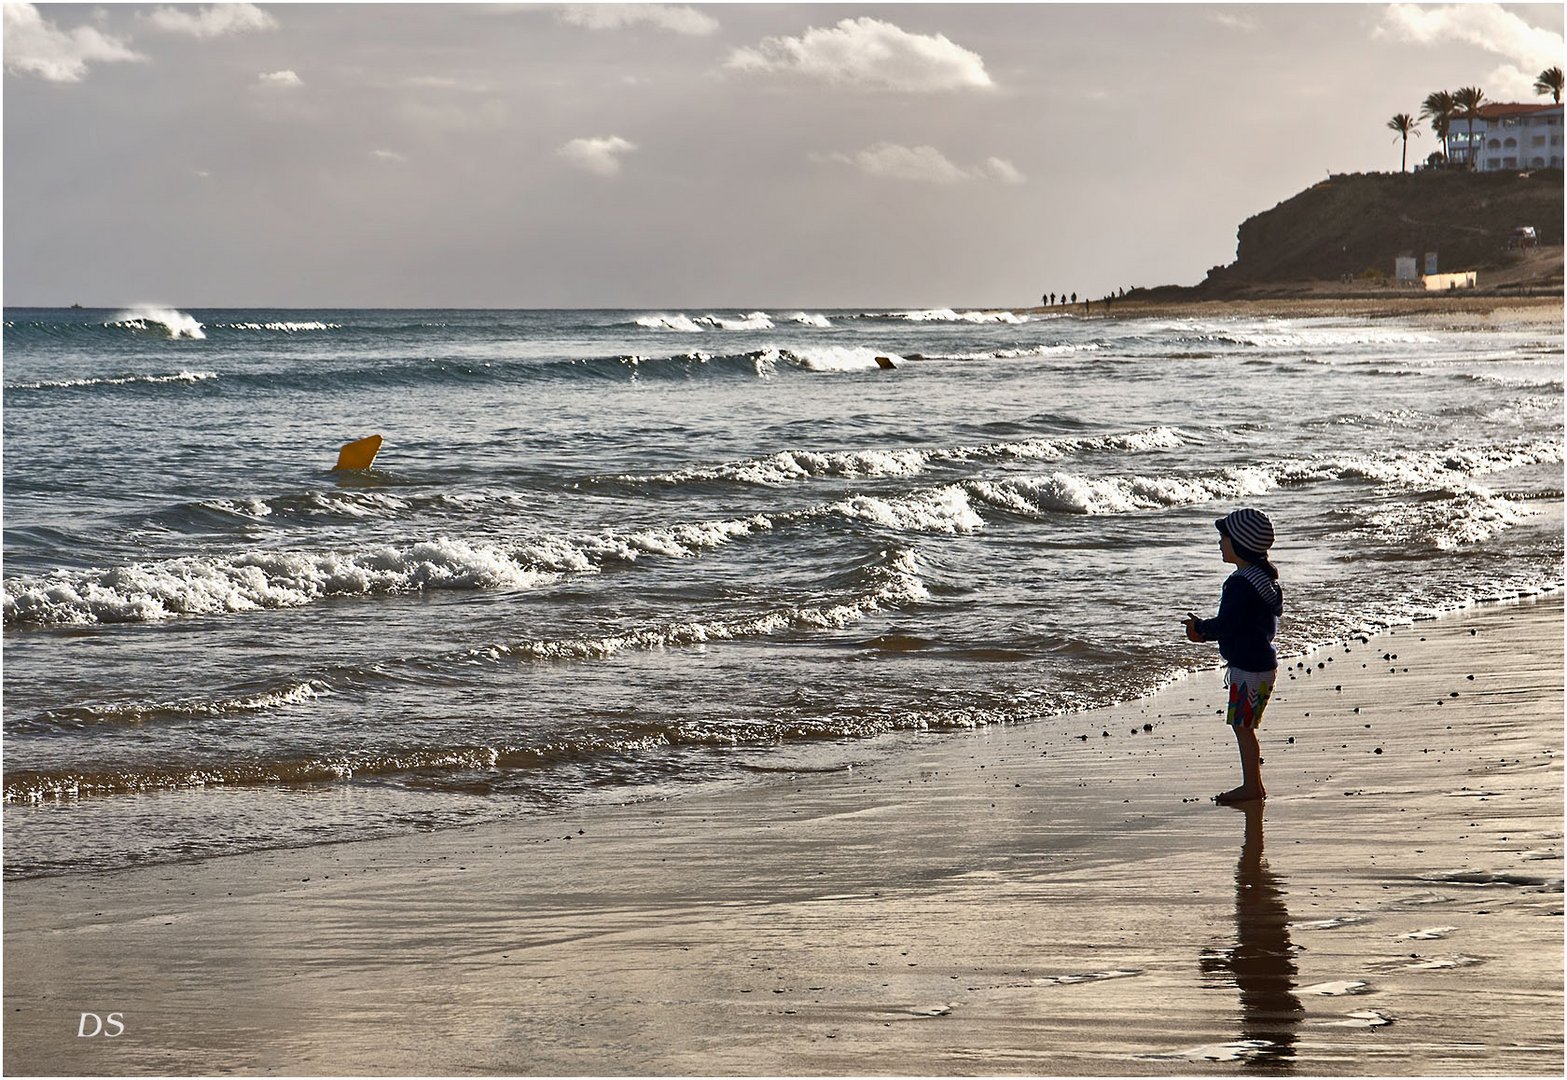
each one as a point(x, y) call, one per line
point(1249, 694)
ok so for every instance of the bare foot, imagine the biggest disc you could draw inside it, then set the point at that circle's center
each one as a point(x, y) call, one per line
point(1240, 795)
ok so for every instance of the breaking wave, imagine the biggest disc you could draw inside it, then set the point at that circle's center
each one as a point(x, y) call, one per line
point(1021, 353)
point(185, 377)
point(893, 582)
point(948, 315)
point(171, 323)
point(280, 327)
point(1447, 472)
point(681, 323)
point(259, 580)
point(262, 580)
point(756, 320)
point(140, 712)
point(791, 466)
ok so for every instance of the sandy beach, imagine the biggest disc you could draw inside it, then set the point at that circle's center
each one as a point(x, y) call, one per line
point(951, 907)
point(1476, 310)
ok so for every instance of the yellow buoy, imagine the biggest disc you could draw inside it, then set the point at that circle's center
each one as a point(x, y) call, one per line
point(358, 454)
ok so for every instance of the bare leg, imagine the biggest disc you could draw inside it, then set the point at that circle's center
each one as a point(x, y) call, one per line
point(1251, 769)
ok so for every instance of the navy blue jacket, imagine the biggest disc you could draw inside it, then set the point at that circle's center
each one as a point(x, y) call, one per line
point(1249, 610)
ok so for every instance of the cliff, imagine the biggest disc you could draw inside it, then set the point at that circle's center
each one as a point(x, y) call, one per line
point(1351, 228)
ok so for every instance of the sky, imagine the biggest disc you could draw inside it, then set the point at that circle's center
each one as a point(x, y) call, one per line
point(725, 155)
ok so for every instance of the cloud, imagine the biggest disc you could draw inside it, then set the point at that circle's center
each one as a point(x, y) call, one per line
point(1003, 170)
point(924, 165)
point(446, 82)
point(680, 20)
point(1509, 81)
point(35, 46)
point(211, 22)
point(1234, 21)
point(283, 79)
point(388, 155)
point(1527, 49)
point(598, 156)
point(488, 115)
point(868, 52)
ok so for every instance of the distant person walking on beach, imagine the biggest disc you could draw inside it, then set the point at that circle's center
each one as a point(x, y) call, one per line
point(1248, 619)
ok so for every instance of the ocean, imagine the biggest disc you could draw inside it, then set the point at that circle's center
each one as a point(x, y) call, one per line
point(611, 555)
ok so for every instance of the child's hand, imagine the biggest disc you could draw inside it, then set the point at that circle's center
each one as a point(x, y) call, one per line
point(1191, 629)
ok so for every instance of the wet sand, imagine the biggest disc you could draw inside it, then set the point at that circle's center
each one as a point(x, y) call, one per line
point(1061, 898)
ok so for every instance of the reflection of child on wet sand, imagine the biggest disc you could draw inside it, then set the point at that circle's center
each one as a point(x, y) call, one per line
point(1262, 960)
point(1248, 619)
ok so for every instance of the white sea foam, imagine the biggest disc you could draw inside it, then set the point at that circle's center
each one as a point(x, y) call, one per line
point(193, 585)
point(281, 327)
point(1403, 417)
point(1031, 351)
point(949, 315)
point(140, 711)
point(895, 582)
point(352, 503)
point(253, 581)
point(673, 541)
point(794, 465)
point(251, 507)
point(1071, 493)
point(1465, 518)
point(1543, 381)
point(1449, 467)
point(1154, 438)
point(118, 380)
point(839, 357)
point(808, 319)
point(790, 466)
point(681, 323)
point(943, 510)
point(756, 320)
point(175, 324)
point(687, 324)
point(363, 504)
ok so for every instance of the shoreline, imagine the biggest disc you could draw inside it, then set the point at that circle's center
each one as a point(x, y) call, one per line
point(1058, 897)
point(1542, 310)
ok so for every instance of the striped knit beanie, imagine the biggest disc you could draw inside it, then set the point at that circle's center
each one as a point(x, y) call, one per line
point(1247, 528)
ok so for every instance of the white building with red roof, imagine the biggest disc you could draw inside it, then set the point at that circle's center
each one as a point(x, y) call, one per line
point(1508, 136)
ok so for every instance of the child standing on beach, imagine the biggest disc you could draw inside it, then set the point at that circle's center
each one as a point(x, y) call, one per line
point(1248, 619)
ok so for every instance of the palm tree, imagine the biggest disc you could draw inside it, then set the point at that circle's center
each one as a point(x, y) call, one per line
point(1468, 99)
point(1550, 82)
point(1439, 107)
point(1404, 124)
